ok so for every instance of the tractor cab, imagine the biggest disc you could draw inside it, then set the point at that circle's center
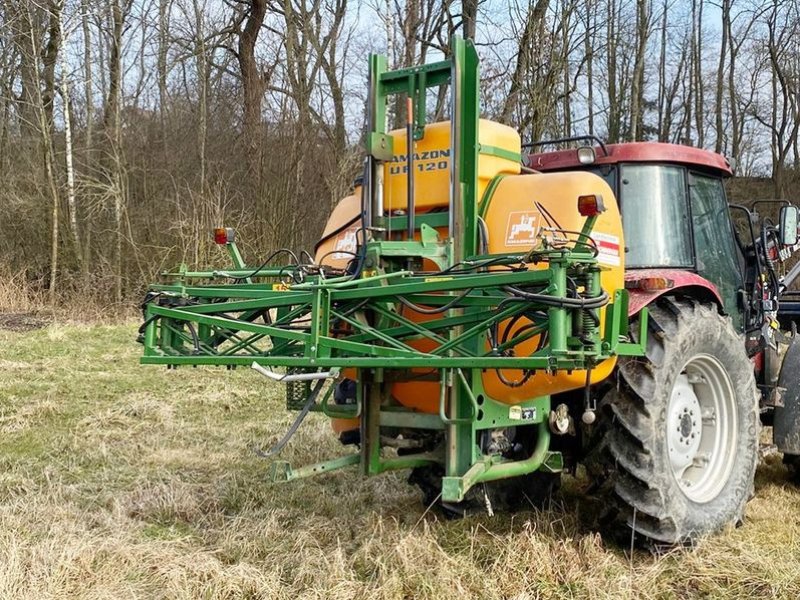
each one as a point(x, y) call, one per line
point(676, 218)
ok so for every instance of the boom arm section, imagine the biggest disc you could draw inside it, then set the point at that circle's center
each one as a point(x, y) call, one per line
point(360, 323)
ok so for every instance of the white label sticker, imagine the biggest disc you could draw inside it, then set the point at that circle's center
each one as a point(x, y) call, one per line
point(518, 413)
point(607, 248)
point(522, 228)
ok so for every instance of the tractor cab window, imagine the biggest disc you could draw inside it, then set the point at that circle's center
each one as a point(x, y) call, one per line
point(715, 249)
point(655, 215)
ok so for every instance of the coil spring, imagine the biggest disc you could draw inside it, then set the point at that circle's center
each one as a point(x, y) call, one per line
point(296, 391)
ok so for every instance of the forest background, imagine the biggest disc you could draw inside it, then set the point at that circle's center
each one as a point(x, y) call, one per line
point(129, 129)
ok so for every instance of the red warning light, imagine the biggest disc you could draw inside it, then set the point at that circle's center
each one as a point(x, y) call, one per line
point(223, 235)
point(591, 205)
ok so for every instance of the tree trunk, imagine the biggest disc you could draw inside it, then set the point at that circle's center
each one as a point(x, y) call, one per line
point(533, 20)
point(637, 87)
point(469, 11)
point(591, 21)
point(50, 57)
point(732, 95)
point(719, 144)
point(111, 122)
point(88, 89)
point(71, 204)
point(253, 82)
point(162, 67)
point(662, 77)
point(202, 82)
point(611, 66)
point(699, 92)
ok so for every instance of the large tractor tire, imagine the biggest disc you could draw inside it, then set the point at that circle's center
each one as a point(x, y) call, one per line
point(676, 442)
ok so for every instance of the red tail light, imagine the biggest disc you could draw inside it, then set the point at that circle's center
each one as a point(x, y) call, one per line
point(223, 235)
point(591, 205)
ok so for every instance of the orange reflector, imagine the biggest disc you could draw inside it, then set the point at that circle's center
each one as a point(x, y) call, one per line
point(590, 205)
point(650, 284)
point(223, 235)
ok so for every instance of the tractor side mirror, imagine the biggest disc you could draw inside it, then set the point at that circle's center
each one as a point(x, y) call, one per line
point(788, 229)
point(586, 155)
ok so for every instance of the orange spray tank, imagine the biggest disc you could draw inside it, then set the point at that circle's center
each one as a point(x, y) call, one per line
point(519, 210)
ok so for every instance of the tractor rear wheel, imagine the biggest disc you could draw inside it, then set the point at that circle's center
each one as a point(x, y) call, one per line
point(676, 442)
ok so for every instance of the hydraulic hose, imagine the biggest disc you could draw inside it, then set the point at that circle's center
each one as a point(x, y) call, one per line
point(547, 300)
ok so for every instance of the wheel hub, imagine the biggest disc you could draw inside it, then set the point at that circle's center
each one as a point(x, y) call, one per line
point(684, 433)
point(686, 424)
point(701, 428)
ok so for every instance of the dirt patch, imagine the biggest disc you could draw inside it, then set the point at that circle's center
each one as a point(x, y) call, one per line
point(22, 321)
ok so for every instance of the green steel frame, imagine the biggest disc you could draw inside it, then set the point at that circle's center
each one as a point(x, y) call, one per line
point(319, 325)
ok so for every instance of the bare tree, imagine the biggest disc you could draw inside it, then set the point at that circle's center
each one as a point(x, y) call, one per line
point(637, 82)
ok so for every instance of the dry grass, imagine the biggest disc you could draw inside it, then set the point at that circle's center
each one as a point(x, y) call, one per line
point(123, 481)
point(25, 304)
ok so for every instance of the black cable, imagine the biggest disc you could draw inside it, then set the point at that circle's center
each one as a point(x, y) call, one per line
point(479, 265)
point(514, 384)
point(437, 310)
point(277, 252)
point(147, 322)
point(591, 244)
point(362, 249)
point(335, 232)
point(547, 300)
point(327, 254)
point(195, 339)
point(548, 217)
point(353, 309)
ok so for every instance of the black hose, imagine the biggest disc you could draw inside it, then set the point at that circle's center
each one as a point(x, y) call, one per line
point(277, 252)
point(195, 339)
point(514, 384)
point(327, 254)
point(335, 232)
point(547, 300)
point(437, 310)
point(144, 325)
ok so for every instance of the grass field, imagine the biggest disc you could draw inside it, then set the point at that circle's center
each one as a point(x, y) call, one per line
point(119, 481)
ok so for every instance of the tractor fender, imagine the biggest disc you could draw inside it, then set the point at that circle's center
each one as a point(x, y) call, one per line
point(685, 282)
point(786, 423)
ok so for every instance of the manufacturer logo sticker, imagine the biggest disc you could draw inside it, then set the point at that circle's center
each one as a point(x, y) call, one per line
point(346, 244)
point(522, 228)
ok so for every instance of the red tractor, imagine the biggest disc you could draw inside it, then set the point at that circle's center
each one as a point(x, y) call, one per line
point(676, 442)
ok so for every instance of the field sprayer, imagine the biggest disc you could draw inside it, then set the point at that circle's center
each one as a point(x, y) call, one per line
point(488, 324)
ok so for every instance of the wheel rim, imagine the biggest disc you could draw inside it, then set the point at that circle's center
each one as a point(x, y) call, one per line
point(702, 428)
